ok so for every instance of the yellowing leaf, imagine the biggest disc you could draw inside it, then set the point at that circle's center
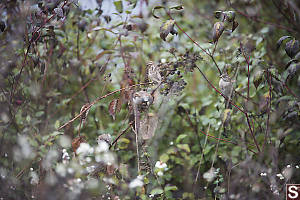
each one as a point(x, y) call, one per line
point(119, 6)
point(217, 31)
point(166, 28)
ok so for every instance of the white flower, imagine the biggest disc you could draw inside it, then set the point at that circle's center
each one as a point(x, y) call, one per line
point(109, 180)
point(288, 166)
point(263, 174)
point(102, 146)
point(137, 182)
point(161, 165)
point(61, 170)
point(84, 149)
point(65, 156)
point(107, 157)
point(297, 166)
point(70, 170)
point(160, 173)
point(90, 169)
point(34, 178)
point(210, 174)
point(280, 176)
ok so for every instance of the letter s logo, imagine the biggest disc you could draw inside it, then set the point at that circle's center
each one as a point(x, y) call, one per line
point(293, 193)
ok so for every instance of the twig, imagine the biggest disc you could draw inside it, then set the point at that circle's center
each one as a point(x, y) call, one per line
point(260, 20)
point(122, 133)
point(78, 38)
point(137, 149)
point(32, 40)
point(269, 109)
point(211, 85)
point(92, 79)
point(98, 99)
point(229, 174)
point(248, 63)
point(207, 53)
point(246, 115)
point(215, 48)
point(198, 170)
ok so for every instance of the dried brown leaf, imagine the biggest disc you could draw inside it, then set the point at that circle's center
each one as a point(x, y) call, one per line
point(77, 141)
point(148, 126)
point(112, 108)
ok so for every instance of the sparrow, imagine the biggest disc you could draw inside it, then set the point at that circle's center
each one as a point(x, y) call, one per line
point(226, 85)
point(104, 137)
point(142, 100)
point(153, 72)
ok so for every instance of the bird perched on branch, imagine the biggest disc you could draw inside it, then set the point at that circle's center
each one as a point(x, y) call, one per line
point(153, 72)
point(226, 86)
point(142, 100)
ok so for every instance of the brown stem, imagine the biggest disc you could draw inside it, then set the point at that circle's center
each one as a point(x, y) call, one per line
point(207, 53)
point(122, 133)
point(98, 99)
point(245, 113)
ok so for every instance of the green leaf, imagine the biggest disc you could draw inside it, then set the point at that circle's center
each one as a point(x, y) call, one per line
point(156, 191)
point(56, 133)
point(184, 147)
point(39, 114)
point(181, 137)
point(171, 188)
point(56, 125)
point(119, 6)
point(207, 149)
point(123, 143)
point(258, 78)
point(156, 8)
point(164, 158)
point(230, 15)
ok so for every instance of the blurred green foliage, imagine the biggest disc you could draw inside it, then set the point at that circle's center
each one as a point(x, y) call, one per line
point(56, 57)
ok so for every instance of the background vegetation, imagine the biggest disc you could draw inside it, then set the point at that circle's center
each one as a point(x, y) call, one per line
point(84, 114)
